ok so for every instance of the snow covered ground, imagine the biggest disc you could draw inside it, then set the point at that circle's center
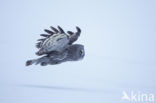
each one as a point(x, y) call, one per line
point(120, 44)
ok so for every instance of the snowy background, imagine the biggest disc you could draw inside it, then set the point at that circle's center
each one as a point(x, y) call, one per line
point(120, 43)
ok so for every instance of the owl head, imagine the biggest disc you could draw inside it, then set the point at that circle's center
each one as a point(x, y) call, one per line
point(75, 52)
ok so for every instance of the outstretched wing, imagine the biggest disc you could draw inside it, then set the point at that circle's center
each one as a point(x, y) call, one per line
point(46, 36)
point(74, 36)
point(56, 40)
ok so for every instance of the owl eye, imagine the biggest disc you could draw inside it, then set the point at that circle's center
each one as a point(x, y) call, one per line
point(81, 52)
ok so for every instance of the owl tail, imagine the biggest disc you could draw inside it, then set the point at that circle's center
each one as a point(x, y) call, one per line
point(30, 62)
point(43, 61)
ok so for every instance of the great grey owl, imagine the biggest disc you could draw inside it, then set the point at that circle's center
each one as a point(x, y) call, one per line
point(58, 47)
point(74, 52)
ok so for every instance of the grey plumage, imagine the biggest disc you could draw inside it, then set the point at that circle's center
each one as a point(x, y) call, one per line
point(45, 35)
point(61, 30)
point(75, 36)
point(70, 32)
point(57, 47)
point(58, 40)
point(49, 32)
point(54, 29)
point(74, 52)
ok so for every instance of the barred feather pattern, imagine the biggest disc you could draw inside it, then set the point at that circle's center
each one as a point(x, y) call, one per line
point(56, 40)
point(57, 47)
point(48, 35)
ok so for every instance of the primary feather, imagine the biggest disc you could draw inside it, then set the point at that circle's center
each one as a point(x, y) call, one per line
point(57, 40)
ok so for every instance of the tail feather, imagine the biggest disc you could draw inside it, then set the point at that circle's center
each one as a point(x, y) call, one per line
point(29, 62)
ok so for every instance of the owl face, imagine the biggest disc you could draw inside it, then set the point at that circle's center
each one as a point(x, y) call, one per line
point(76, 52)
point(81, 52)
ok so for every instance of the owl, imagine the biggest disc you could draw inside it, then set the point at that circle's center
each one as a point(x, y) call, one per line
point(57, 47)
point(74, 52)
point(56, 40)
